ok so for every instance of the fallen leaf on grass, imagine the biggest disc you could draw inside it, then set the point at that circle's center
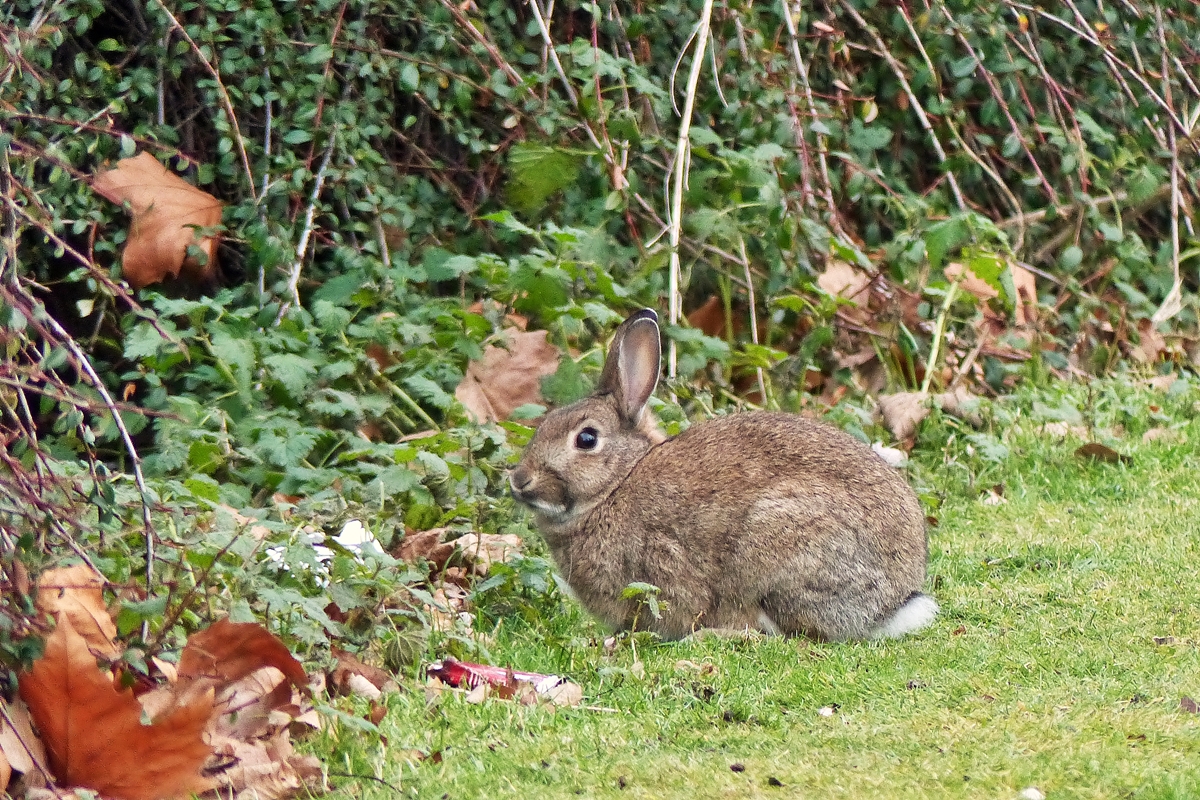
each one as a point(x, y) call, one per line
point(427, 545)
point(349, 667)
point(482, 549)
point(93, 733)
point(1094, 451)
point(508, 377)
point(77, 593)
point(1189, 705)
point(228, 651)
point(485, 681)
point(165, 210)
point(903, 412)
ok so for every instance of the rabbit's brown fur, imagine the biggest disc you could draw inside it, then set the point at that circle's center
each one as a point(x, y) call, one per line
point(765, 521)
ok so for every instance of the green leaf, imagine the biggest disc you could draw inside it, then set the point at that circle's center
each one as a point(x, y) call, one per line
point(566, 385)
point(537, 172)
point(293, 371)
point(942, 238)
point(873, 137)
point(410, 77)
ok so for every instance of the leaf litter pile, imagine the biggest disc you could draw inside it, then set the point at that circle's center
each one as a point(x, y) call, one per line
point(218, 723)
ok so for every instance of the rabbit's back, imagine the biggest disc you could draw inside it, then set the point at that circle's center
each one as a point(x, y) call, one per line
point(762, 520)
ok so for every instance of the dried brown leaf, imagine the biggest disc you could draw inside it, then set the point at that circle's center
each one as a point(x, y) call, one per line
point(228, 651)
point(1189, 705)
point(349, 666)
point(77, 593)
point(903, 412)
point(428, 545)
point(165, 209)
point(1151, 344)
point(509, 376)
point(840, 279)
point(1026, 288)
point(970, 282)
point(1095, 451)
point(710, 317)
point(81, 716)
point(482, 549)
point(21, 746)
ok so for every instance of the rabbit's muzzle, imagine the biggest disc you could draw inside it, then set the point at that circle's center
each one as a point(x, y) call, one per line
point(542, 492)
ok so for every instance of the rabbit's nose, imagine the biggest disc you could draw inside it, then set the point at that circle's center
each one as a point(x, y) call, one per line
point(520, 479)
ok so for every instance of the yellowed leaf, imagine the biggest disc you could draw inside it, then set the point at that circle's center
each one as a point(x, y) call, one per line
point(165, 209)
point(509, 376)
point(93, 733)
point(77, 593)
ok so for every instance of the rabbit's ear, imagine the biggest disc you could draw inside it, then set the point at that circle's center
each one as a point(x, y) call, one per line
point(631, 370)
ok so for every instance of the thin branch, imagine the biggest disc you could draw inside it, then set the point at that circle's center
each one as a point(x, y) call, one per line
point(822, 146)
point(762, 384)
point(306, 232)
point(682, 156)
point(1172, 304)
point(898, 71)
point(233, 123)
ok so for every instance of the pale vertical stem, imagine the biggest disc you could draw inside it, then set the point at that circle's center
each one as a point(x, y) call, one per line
point(762, 384)
point(682, 155)
point(1173, 303)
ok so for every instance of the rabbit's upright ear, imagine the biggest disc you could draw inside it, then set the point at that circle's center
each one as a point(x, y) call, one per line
point(631, 370)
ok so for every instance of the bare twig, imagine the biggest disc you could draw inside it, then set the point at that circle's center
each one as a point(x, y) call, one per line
point(306, 232)
point(233, 122)
point(682, 156)
point(822, 147)
point(762, 384)
point(898, 71)
point(1172, 304)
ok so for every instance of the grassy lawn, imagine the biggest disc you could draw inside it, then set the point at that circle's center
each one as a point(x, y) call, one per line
point(1043, 669)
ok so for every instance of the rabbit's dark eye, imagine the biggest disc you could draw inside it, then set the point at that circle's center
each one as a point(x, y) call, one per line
point(587, 439)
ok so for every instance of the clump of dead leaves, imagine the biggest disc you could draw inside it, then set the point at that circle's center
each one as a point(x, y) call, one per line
point(219, 725)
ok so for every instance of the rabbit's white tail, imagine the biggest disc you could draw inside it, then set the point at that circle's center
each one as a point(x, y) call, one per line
point(917, 612)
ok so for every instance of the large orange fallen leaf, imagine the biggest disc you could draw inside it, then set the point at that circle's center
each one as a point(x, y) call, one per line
point(94, 735)
point(508, 377)
point(78, 594)
point(165, 207)
point(229, 651)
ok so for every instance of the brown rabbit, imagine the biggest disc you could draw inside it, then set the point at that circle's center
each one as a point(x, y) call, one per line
point(762, 521)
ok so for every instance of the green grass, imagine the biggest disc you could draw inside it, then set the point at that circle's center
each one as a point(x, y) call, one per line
point(1041, 670)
